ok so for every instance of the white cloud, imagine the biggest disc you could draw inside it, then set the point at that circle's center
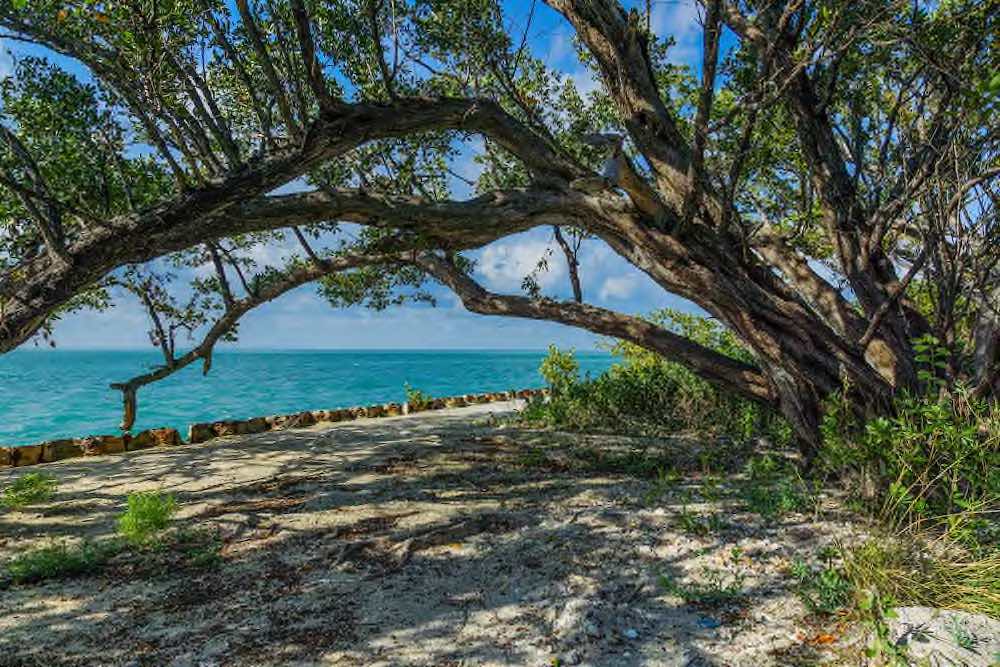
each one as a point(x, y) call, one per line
point(618, 287)
point(682, 20)
point(504, 265)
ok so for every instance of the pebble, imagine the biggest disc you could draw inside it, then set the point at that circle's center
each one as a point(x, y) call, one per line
point(631, 633)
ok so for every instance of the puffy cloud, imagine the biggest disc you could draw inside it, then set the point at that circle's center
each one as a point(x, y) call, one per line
point(618, 287)
point(682, 20)
point(504, 265)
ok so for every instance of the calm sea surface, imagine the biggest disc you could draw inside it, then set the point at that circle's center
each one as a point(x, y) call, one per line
point(53, 394)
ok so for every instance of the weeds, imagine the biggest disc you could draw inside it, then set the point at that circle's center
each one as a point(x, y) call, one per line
point(718, 588)
point(147, 513)
point(60, 560)
point(28, 489)
point(824, 591)
point(961, 635)
point(921, 570)
point(775, 488)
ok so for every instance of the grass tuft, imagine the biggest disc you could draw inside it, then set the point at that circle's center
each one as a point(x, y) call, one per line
point(147, 513)
point(28, 489)
point(60, 560)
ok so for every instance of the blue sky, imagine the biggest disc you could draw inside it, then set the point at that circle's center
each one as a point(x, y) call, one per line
point(302, 320)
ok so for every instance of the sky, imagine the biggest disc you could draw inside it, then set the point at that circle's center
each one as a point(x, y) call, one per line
point(302, 320)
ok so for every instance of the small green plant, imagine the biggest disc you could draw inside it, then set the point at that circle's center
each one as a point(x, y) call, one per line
point(416, 399)
point(775, 488)
point(28, 489)
point(201, 548)
point(960, 634)
point(60, 560)
point(147, 513)
point(876, 611)
point(824, 591)
point(718, 588)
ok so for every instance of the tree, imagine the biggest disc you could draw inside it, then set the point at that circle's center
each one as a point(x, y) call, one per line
point(825, 186)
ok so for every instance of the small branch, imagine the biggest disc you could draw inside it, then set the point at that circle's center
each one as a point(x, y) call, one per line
point(696, 176)
point(572, 263)
point(220, 273)
point(268, 66)
point(316, 259)
point(314, 72)
point(887, 304)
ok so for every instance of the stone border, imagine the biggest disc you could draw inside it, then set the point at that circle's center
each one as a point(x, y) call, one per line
point(96, 445)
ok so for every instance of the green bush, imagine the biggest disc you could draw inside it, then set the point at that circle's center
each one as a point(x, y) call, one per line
point(28, 489)
point(147, 513)
point(644, 393)
point(937, 460)
point(59, 560)
point(417, 400)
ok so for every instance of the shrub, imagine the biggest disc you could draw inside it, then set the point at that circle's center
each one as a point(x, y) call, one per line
point(417, 400)
point(28, 489)
point(147, 513)
point(936, 462)
point(59, 560)
point(643, 392)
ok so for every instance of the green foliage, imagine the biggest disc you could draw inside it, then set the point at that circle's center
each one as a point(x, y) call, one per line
point(926, 570)
point(147, 513)
point(644, 393)
point(417, 400)
point(28, 489)
point(719, 587)
point(560, 370)
point(775, 488)
point(60, 560)
point(824, 590)
point(936, 460)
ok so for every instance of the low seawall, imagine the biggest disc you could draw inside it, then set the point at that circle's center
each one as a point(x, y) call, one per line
point(97, 445)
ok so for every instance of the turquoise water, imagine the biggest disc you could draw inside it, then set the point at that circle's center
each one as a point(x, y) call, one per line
point(60, 393)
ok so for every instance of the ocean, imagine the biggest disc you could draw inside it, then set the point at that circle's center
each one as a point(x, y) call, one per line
point(64, 393)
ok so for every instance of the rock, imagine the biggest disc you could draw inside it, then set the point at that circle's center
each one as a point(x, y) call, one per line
point(254, 425)
point(454, 402)
point(166, 437)
point(392, 409)
point(98, 445)
point(946, 637)
point(4, 457)
point(375, 411)
point(57, 450)
point(200, 433)
point(222, 429)
point(437, 404)
point(296, 420)
point(25, 456)
point(154, 437)
point(631, 633)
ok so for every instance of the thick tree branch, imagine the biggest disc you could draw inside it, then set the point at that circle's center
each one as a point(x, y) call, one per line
point(734, 375)
point(203, 214)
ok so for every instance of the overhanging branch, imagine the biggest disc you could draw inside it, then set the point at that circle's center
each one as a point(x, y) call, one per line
point(732, 374)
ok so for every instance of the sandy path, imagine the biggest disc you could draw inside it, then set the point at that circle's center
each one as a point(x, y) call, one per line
point(435, 539)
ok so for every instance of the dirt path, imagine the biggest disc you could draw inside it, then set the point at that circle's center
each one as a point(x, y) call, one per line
point(438, 539)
